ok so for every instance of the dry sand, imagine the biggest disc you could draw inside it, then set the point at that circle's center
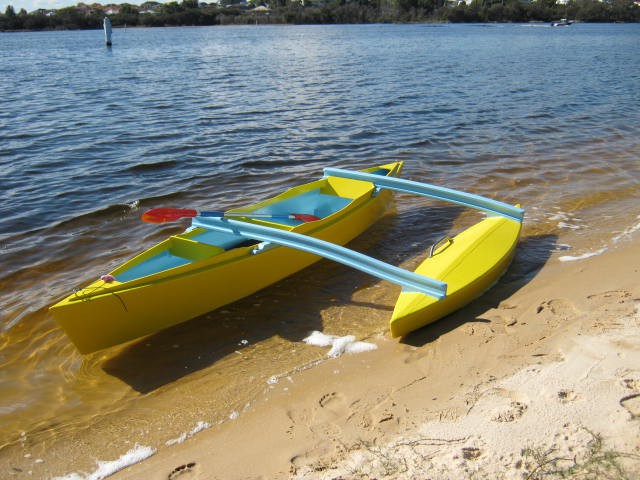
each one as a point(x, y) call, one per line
point(544, 376)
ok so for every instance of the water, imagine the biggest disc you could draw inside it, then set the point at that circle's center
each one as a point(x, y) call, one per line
point(217, 117)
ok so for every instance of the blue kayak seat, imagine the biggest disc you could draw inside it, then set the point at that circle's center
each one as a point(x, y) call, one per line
point(313, 202)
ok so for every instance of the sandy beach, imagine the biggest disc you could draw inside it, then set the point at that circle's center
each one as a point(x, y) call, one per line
point(537, 379)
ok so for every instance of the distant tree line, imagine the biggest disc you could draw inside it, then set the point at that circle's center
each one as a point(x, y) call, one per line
point(190, 13)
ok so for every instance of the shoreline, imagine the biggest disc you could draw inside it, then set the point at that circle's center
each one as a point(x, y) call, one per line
point(569, 326)
point(434, 21)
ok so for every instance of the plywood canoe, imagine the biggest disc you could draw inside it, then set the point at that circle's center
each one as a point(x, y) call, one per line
point(200, 270)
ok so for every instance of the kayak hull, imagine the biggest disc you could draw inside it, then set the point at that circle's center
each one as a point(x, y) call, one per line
point(471, 263)
point(202, 277)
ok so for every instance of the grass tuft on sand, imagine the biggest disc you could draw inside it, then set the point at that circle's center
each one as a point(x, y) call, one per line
point(595, 462)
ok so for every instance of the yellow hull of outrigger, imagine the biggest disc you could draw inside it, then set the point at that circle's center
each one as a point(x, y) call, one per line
point(470, 264)
point(201, 277)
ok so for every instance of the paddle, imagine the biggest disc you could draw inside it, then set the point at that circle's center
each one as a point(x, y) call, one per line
point(161, 215)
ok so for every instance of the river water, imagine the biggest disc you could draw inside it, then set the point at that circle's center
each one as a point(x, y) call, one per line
point(218, 117)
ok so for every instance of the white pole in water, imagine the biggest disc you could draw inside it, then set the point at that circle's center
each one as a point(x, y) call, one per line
point(107, 31)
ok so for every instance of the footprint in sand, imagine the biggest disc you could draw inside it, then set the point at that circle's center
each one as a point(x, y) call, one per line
point(300, 419)
point(332, 410)
point(632, 404)
point(632, 384)
point(566, 396)
point(503, 319)
point(615, 302)
point(419, 354)
point(513, 412)
point(184, 472)
point(558, 307)
point(505, 405)
point(471, 453)
point(326, 399)
point(620, 294)
point(333, 402)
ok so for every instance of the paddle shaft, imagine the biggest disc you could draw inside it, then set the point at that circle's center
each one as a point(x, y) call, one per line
point(240, 214)
point(161, 215)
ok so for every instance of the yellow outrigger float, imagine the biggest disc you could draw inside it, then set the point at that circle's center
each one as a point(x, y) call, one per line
point(219, 260)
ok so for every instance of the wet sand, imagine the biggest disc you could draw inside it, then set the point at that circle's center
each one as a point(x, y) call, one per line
point(544, 374)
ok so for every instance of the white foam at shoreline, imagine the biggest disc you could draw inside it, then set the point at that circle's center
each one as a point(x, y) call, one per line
point(339, 345)
point(198, 428)
point(627, 233)
point(105, 469)
point(568, 225)
point(624, 235)
point(569, 258)
point(566, 220)
point(319, 339)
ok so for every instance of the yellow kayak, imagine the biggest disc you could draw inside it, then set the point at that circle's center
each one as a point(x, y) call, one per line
point(469, 263)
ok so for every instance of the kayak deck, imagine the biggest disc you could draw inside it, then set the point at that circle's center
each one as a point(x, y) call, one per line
point(320, 199)
point(200, 243)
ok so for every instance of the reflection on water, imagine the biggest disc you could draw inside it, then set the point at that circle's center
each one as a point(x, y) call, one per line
point(220, 117)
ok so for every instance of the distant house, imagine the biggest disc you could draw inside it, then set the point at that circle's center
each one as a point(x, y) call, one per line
point(150, 7)
point(48, 12)
point(83, 8)
point(457, 3)
point(111, 9)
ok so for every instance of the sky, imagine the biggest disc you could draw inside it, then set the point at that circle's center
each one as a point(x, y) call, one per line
point(30, 5)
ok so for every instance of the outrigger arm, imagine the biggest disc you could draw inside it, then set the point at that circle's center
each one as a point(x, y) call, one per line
point(492, 207)
point(409, 280)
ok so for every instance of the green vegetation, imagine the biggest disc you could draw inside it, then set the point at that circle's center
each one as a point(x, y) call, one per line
point(190, 12)
point(588, 459)
point(595, 463)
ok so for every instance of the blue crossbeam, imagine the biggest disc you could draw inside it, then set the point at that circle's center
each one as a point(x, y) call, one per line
point(409, 280)
point(442, 193)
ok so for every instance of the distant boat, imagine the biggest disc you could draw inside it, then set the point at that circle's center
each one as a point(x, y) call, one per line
point(563, 22)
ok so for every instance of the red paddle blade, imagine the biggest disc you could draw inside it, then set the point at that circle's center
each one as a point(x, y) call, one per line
point(162, 215)
point(305, 217)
